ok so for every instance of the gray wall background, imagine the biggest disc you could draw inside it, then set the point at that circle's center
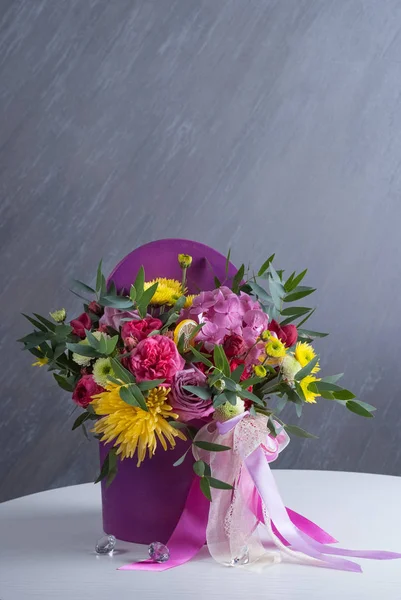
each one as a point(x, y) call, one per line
point(257, 124)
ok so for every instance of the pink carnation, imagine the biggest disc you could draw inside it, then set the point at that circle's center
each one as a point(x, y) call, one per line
point(155, 357)
point(133, 332)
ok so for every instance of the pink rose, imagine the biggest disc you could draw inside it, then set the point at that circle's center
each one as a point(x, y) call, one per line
point(187, 405)
point(133, 332)
point(113, 317)
point(85, 389)
point(155, 357)
point(80, 324)
point(95, 307)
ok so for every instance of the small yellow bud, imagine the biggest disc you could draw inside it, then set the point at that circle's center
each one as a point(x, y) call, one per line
point(59, 315)
point(185, 260)
point(259, 371)
point(220, 385)
point(266, 335)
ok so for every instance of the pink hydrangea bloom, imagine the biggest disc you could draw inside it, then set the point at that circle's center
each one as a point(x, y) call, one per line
point(225, 313)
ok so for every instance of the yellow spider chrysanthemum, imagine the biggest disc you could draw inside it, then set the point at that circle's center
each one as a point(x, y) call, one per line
point(275, 348)
point(168, 291)
point(304, 353)
point(41, 362)
point(309, 395)
point(131, 428)
point(189, 300)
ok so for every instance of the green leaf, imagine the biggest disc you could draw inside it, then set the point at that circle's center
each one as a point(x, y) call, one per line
point(312, 334)
point(297, 311)
point(83, 350)
point(99, 277)
point(237, 373)
point(368, 407)
point(199, 391)
point(299, 391)
point(93, 342)
point(277, 293)
point(199, 468)
point(319, 386)
point(181, 459)
point(83, 287)
point(250, 396)
point(294, 430)
point(227, 262)
point(139, 283)
point(291, 394)
point(139, 397)
point(258, 291)
point(64, 383)
point(298, 293)
point(217, 282)
point(358, 409)
point(293, 282)
point(121, 373)
point(332, 378)
point(307, 369)
point(111, 344)
point(132, 293)
point(266, 265)
point(127, 396)
point(201, 357)
point(145, 298)
point(305, 319)
point(103, 342)
point(116, 301)
point(112, 467)
point(205, 488)
point(211, 447)
point(343, 395)
point(219, 400)
point(220, 485)
point(36, 324)
point(238, 278)
point(144, 386)
point(81, 419)
point(275, 275)
point(220, 360)
point(35, 338)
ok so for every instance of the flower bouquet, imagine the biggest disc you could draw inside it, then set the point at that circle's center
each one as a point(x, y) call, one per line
point(180, 351)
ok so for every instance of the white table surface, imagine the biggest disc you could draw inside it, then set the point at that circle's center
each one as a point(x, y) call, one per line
point(47, 548)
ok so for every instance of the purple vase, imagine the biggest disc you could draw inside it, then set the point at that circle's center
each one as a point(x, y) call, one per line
point(143, 504)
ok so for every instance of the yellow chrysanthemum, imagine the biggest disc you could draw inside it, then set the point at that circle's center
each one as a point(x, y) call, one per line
point(189, 300)
point(275, 348)
point(41, 362)
point(131, 428)
point(309, 395)
point(304, 353)
point(168, 291)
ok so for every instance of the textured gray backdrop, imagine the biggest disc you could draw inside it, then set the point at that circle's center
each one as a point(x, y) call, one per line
point(256, 124)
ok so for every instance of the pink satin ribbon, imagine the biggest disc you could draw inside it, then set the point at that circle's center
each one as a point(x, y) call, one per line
point(292, 529)
point(188, 537)
point(299, 540)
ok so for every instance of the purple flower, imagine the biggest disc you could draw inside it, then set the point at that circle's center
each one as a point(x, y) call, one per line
point(187, 405)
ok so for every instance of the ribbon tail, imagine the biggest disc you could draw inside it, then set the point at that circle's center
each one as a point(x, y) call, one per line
point(188, 537)
point(263, 479)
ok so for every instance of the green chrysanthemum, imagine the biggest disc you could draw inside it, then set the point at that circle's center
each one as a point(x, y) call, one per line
point(290, 367)
point(102, 370)
point(228, 411)
point(59, 315)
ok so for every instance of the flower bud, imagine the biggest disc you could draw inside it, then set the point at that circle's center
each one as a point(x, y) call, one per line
point(59, 315)
point(185, 260)
point(259, 371)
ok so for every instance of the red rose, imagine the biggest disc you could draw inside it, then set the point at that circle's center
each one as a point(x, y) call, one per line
point(80, 324)
point(95, 307)
point(233, 345)
point(133, 332)
point(155, 357)
point(287, 334)
point(85, 389)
